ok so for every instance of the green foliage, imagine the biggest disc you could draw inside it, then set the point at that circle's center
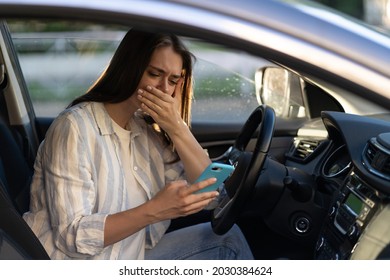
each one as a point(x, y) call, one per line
point(40, 92)
point(351, 7)
point(57, 26)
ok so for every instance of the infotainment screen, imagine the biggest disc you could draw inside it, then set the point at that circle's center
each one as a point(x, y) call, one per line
point(354, 203)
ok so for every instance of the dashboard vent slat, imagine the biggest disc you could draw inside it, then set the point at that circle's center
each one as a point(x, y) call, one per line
point(376, 158)
point(303, 149)
point(371, 152)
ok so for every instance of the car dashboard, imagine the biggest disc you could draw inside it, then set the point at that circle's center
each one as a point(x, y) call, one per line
point(351, 165)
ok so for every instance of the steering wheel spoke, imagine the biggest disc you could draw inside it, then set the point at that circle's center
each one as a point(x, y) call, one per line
point(222, 207)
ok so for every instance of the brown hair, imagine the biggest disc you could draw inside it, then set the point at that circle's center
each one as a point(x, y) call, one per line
point(122, 76)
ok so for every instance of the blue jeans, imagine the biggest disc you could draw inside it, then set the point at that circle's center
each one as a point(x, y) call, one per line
point(199, 242)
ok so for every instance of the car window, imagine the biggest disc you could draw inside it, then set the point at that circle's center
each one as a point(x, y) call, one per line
point(61, 60)
point(224, 83)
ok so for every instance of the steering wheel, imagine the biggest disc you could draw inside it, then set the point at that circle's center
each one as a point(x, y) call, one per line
point(247, 170)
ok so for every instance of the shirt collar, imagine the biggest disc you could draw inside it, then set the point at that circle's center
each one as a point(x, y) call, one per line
point(104, 121)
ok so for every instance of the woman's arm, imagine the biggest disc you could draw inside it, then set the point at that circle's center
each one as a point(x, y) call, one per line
point(164, 110)
point(174, 200)
point(70, 193)
point(193, 156)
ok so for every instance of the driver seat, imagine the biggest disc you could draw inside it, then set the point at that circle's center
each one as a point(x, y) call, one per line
point(17, 240)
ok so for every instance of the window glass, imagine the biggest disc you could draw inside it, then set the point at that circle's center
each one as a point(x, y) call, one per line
point(61, 60)
point(224, 83)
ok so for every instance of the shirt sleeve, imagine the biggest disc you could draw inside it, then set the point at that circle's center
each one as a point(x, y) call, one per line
point(174, 169)
point(70, 191)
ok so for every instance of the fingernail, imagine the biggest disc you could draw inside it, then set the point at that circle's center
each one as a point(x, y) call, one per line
point(140, 91)
point(148, 87)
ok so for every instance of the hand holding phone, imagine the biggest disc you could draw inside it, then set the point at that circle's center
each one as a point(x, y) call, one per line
point(216, 170)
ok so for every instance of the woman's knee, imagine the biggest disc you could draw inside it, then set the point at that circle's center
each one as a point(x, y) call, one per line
point(236, 238)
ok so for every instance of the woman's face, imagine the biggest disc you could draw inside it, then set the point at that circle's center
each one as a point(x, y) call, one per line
point(163, 71)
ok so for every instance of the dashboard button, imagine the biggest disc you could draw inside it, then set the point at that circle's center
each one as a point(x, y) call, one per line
point(302, 224)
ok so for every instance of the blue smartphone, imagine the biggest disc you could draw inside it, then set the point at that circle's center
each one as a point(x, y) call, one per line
point(219, 171)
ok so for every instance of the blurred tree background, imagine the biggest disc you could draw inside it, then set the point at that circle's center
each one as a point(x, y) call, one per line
point(374, 12)
point(354, 8)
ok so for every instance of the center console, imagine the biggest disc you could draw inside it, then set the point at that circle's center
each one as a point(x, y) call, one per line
point(354, 206)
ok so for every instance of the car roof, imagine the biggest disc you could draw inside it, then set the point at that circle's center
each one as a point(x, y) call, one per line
point(311, 22)
point(291, 29)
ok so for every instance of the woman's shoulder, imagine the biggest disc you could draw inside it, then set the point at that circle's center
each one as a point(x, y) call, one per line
point(73, 126)
point(74, 116)
point(76, 110)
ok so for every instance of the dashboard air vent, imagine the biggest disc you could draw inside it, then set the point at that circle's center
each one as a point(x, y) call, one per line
point(370, 153)
point(303, 149)
point(376, 156)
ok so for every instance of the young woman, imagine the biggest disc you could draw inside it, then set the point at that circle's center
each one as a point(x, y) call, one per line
point(117, 165)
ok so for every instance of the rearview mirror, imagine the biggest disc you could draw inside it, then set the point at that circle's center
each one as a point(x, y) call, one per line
point(281, 90)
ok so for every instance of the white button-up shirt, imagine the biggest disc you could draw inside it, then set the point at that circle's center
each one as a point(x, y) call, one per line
point(79, 180)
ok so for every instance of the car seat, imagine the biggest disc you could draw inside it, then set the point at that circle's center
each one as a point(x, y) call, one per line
point(17, 240)
point(15, 172)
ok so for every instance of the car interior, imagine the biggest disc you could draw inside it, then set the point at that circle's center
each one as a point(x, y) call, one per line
point(313, 187)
